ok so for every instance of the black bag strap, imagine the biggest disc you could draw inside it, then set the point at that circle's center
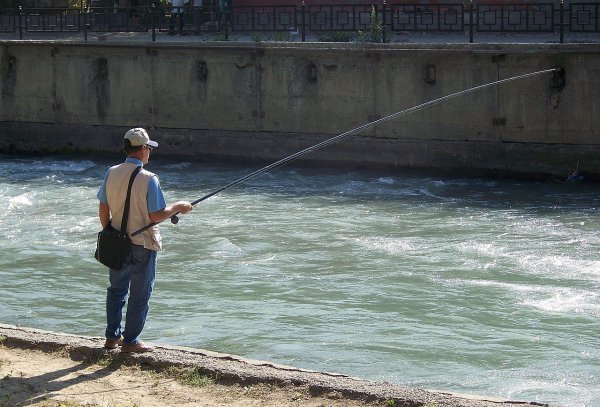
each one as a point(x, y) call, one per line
point(127, 200)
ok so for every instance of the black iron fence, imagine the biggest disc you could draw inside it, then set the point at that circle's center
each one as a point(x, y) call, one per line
point(459, 17)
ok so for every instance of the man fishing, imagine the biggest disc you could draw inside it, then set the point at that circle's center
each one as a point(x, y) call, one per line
point(147, 205)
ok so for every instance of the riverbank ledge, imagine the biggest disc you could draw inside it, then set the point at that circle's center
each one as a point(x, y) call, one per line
point(235, 370)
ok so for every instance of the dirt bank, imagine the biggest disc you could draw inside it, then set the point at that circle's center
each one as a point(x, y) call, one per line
point(42, 368)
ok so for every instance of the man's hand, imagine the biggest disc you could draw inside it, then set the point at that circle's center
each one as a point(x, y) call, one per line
point(183, 207)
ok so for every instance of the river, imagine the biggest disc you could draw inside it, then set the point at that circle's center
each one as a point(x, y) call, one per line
point(480, 286)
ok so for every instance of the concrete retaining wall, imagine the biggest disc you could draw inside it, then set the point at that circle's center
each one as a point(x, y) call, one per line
point(266, 101)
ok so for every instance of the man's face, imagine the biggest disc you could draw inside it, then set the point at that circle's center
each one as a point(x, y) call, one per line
point(147, 150)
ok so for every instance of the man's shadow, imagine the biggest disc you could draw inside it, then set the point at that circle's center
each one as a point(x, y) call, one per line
point(21, 391)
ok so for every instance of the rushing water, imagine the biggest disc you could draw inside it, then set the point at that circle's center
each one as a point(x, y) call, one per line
point(468, 285)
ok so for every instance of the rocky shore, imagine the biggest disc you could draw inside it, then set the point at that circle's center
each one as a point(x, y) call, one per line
point(288, 385)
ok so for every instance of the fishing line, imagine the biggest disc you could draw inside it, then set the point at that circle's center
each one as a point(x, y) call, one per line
point(175, 219)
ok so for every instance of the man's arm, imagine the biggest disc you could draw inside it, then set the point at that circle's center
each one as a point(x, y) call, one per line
point(157, 207)
point(104, 214)
point(181, 207)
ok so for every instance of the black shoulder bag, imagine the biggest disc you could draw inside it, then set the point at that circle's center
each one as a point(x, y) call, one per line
point(113, 246)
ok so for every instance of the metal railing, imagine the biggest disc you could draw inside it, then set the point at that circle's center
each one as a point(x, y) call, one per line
point(458, 17)
point(339, 17)
point(438, 17)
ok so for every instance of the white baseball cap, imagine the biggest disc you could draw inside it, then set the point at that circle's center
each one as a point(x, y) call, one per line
point(139, 137)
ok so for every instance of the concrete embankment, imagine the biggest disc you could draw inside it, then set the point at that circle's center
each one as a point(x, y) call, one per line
point(264, 101)
point(230, 369)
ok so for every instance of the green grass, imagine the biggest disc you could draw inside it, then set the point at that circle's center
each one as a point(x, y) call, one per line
point(194, 378)
point(103, 360)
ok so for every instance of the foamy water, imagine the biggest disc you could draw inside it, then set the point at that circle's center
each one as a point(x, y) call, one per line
point(467, 285)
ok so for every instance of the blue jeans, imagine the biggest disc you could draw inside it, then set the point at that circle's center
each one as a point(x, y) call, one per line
point(136, 278)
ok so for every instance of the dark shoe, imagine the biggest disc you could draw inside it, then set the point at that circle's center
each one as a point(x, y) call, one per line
point(113, 343)
point(139, 347)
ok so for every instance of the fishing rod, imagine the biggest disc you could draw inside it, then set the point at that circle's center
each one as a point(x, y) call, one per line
point(276, 164)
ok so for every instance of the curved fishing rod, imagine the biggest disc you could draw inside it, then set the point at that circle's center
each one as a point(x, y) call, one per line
point(175, 219)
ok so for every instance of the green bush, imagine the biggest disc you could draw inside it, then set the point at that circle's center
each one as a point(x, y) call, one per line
point(336, 36)
point(375, 31)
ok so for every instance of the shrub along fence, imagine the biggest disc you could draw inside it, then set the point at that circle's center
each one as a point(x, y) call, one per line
point(373, 23)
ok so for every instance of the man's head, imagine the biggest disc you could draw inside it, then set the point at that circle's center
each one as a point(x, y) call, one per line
point(136, 139)
point(137, 144)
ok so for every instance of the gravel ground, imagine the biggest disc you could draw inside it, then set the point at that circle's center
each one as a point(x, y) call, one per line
point(231, 371)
